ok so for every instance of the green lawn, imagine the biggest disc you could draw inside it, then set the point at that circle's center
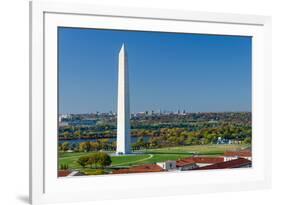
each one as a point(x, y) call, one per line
point(153, 155)
point(199, 149)
point(71, 158)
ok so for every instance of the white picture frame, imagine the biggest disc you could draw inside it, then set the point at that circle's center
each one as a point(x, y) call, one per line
point(46, 187)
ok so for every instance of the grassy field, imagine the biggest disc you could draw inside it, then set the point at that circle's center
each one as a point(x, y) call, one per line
point(153, 155)
point(199, 149)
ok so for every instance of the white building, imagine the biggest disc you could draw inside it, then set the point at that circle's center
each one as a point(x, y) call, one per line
point(228, 156)
point(187, 166)
point(123, 105)
point(168, 165)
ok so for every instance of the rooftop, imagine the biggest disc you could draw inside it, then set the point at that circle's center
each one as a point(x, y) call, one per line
point(206, 160)
point(63, 173)
point(140, 169)
point(184, 162)
point(245, 153)
point(236, 163)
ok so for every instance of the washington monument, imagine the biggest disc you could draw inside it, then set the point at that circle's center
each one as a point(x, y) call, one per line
point(123, 105)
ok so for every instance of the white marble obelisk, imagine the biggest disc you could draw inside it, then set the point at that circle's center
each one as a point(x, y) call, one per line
point(123, 105)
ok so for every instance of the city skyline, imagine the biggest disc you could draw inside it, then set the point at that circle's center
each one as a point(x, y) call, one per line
point(167, 71)
point(150, 112)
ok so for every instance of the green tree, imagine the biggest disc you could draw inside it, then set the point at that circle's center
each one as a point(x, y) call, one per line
point(85, 146)
point(77, 134)
point(140, 143)
point(66, 135)
point(83, 161)
point(95, 146)
point(65, 146)
point(103, 159)
point(63, 166)
point(209, 138)
point(134, 146)
point(104, 144)
point(154, 142)
point(93, 159)
point(247, 140)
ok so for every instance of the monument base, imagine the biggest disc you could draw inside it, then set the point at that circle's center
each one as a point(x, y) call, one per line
point(124, 154)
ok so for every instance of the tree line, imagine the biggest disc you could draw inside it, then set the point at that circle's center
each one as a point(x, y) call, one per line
point(169, 137)
point(151, 125)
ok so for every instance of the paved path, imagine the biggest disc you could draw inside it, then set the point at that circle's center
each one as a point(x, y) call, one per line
point(73, 173)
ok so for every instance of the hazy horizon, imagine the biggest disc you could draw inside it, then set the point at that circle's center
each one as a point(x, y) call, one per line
point(158, 112)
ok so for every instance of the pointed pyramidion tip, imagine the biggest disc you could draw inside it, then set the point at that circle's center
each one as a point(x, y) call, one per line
point(123, 47)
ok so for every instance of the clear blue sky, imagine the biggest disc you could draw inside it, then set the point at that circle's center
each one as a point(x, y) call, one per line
point(168, 71)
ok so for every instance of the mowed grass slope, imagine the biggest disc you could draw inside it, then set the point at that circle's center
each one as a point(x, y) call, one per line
point(153, 155)
point(215, 149)
point(116, 160)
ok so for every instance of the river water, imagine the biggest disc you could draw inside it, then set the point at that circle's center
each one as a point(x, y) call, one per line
point(134, 139)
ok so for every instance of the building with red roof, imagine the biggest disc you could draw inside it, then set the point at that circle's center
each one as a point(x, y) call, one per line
point(63, 173)
point(186, 164)
point(167, 165)
point(140, 169)
point(205, 161)
point(231, 155)
point(236, 163)
point(195, 162)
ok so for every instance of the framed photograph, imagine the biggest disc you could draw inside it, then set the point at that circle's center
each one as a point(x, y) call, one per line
point(129, 102)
